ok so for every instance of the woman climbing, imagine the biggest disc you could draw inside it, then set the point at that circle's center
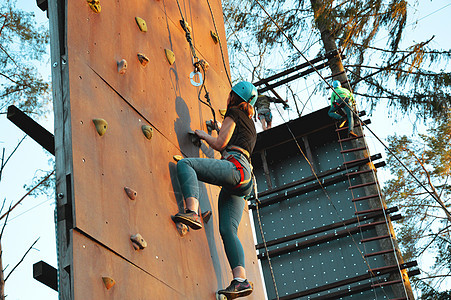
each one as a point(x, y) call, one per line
point(236, 140)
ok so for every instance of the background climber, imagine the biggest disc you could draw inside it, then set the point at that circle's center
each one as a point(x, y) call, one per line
point(236, 140)
point(264, 111)
point(339, 97)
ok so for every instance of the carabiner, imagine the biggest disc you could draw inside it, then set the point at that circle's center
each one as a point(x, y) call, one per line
point(193, 82)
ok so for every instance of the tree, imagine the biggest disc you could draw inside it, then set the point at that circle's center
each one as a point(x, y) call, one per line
point(425, 231)
point(22, 45)
point(352, 27)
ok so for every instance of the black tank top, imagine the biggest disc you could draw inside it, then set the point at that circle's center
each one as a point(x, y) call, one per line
point(244, 135)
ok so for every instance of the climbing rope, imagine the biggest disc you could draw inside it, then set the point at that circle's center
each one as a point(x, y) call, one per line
point(198, 64)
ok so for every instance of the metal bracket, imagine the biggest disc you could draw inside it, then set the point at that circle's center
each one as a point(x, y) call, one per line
point(193, 82)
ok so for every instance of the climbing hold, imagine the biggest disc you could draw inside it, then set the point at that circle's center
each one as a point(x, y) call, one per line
point(194, 138)
point(95, 5)
point(141, 24)
point(206, 216)
point(138, 242)
point(131, 193)
point(108, 282)
point(101, 126)
point(170, 56)
point(177, 157)
point(214, 36)
point(222, 112)
point(143, 59)
point(148, 131)
point(210, 126)
point(184, 25)
point(182, 229)
point(122, 66)
point(193, 82)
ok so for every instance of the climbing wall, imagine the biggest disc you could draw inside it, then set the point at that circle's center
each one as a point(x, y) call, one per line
point(124, 104)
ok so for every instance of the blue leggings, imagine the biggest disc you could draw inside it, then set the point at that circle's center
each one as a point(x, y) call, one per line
point(231, 201)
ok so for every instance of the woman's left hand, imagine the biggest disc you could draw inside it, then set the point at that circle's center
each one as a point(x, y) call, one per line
point(201, 134)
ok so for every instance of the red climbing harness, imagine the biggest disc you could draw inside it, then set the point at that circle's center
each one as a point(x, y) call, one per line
point(237, 164)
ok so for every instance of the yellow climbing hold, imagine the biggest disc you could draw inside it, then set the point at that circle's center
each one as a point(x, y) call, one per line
point(214, 36)
point(141, 24)
point(95, 5)
point(130, 193)
point(143, 59)
point(170, 56)
point(138, 242)
point(101, 126)
point(177, 158)
point(222, 112)
point(108, 282)
point(122, 66)
point(148, 131)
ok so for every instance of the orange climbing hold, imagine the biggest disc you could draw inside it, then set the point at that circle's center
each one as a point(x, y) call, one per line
point(108, 282)
point(95, 5)
point(214, 36)
point(143, 59)
point(101, 126)
point(130, 193)
point(138, 242)
point(141, 24)
point(170, 56)
point(148, 131)
point(122, 66)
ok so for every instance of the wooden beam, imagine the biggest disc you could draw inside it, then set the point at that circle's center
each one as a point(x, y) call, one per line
point(46, 274)
point(32, 128)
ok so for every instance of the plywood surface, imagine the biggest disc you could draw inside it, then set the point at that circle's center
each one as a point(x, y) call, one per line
point(160, 95)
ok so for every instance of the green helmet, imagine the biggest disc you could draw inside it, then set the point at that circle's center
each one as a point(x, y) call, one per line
point(246, 91)
point(336, 84)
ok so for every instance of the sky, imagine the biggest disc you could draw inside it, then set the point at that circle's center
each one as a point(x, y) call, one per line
point(34, 217)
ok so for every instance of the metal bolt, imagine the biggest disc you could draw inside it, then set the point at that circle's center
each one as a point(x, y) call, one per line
point(60, 196)
point(55, 64)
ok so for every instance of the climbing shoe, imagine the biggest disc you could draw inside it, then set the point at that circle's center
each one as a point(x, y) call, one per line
point(342, 124)
point(353, 134)
point(237, 289)
point(190, 219)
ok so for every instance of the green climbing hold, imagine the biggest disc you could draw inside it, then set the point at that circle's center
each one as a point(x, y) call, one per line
point(95, 5)
point(141, 24)
point(214, 36)
point(170, 56)
point(148, 131)
point(101, 126)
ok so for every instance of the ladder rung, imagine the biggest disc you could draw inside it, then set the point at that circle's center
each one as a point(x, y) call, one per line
point(371, 224)
point(352, 150)
point(365, 197)
point(368, 211)
point(380, 237)
point(361, 185)
point(350, 138)
point(380, 253)
point(386, 283)
point(359, 172)
point(352, 161)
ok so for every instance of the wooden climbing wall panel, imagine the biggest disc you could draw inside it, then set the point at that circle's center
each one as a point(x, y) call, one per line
point(96, 168)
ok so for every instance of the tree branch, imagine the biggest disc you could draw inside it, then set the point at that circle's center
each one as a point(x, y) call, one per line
point(23, 257)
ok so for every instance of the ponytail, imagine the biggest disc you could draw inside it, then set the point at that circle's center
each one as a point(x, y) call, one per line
point(247, 108)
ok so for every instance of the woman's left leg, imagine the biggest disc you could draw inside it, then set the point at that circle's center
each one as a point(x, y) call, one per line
point(230, 212)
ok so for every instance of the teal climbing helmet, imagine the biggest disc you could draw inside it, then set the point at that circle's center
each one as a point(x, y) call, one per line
point(336, 84)
point(246, 91)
